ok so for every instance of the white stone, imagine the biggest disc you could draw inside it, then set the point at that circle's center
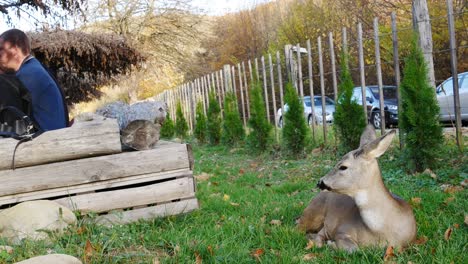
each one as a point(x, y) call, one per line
point(30, 220)
point(51, 259)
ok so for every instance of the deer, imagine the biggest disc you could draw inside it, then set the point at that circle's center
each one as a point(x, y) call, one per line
point(354, 208)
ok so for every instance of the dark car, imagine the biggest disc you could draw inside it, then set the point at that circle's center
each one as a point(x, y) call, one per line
point(373, 104)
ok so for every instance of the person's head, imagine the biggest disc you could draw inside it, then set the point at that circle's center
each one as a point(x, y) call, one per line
point(14, 47)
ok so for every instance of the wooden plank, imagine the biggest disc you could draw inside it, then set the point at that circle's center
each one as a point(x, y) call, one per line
point(379, 75)
point(83, 139)
point(96, 169)
point(125, 198)
point(311, 87)
point(90, 187)
point(322, 90)
point(396, 68)
point(333, 66)
point(273, 97)
point(265, 90)
point(246, 90)
point(241, 95)
point(163, 210)
point(299, 72)
point(361, 69)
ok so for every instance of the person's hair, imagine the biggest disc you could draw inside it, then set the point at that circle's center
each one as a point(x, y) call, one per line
point(17, 38)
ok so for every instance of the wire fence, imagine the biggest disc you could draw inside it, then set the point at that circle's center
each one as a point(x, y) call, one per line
point(313, 69)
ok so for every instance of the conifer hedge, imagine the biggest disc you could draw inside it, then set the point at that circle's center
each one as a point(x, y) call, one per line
point(295, 127)
point(260, 129)
point(233, 130)
point(200, 125)
point(214, 121)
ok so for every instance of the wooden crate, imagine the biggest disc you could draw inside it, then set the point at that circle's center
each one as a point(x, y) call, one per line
point(121, 188)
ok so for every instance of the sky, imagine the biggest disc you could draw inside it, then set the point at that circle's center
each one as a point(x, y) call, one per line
point(210, 7)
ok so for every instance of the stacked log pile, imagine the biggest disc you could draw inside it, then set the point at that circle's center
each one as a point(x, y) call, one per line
point(84, 168)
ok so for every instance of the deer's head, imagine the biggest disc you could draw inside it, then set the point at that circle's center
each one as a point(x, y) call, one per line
point(358, 170)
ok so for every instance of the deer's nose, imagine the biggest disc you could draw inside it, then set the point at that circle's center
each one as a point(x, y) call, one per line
point(322, 186)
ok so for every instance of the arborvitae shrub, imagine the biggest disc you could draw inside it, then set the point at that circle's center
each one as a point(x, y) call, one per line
point(259, 136)
point(295, 127)
point(233, 131)
point(167, 129)
point(200, 126)
point(349, 118)
point(419, 116)
point(181, 127)
point(214, 120)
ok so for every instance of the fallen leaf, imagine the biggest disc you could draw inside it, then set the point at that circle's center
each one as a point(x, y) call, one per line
point(253, 165)
point(389, 253)
point(309, 256)
point(447, 188)
point(203, 177)
point(210, 249)
point(241, 171)
point(310, 244)
point(464, 183)
point(456, 226)
point(416, 200)
point(234, 204)
point(198, 259)
point(81, 230)
point(431, 173)
point(226, 197)
point(257, 253)
point(421, 240)
point(449, 200)
point(88, 251)
point(448, 233)
point(275, 222)
point(316, 150)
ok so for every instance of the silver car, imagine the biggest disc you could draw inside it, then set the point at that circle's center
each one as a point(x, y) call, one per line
point(329, 108)
point(445, 98)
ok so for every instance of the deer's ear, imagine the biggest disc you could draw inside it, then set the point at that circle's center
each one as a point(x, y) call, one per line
point(378, 147)
point(368, 135)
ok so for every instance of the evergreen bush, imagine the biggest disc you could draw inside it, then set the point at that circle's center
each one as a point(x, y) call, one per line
point(260, 129)
point(200, 125)
point(167, 129)
point(181, 127)
point(213, 120)
point(295, 127)
point(419, 116)
point(349, 118)
point(233, 130)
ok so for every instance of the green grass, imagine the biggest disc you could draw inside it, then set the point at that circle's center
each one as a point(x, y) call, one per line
point(242, 197)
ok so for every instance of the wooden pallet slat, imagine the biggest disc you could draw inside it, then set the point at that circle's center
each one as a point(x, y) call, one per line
point(163, 210)
point(75, 172)
point(125, 198)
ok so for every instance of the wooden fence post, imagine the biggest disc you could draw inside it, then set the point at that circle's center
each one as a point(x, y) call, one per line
point(273, 98)
point(379, 75)
point(333, 66)
point(422, 25)
point(299, 73)
point(322, 90)
point(311, 87)
point(241, 94)
point(361, 70)
point(453, 64)
point(265, 83)
point(234, 86)
point(344, 36)
point(396, 68)
point(246, 90)
point(218, 88)
point(223, 89)
point(257, 69)
point(251, 73)
point(280, 81)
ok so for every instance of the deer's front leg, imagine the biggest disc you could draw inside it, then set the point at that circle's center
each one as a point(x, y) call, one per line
point(318, 238)
point(344, 241)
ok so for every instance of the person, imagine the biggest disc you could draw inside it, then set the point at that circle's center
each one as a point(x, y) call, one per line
point(48, 103)
point(13, 93)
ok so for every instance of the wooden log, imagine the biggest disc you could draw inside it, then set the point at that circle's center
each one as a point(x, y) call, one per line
point(125, 198)
point(147, 213)
point(76, 172)
point(83, 139)
point(91, 187)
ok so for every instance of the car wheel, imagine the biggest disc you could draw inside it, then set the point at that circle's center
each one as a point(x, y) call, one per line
point(376, 119)
point(280, 122)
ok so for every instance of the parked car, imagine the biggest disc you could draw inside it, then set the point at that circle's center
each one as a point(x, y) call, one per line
point(329, 108)
point(445, 98)
point(373, 104)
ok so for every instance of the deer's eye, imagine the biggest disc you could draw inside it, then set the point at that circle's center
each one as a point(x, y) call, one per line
point(342, 167)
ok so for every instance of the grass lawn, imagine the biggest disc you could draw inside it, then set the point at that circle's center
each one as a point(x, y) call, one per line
point(248, 206)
